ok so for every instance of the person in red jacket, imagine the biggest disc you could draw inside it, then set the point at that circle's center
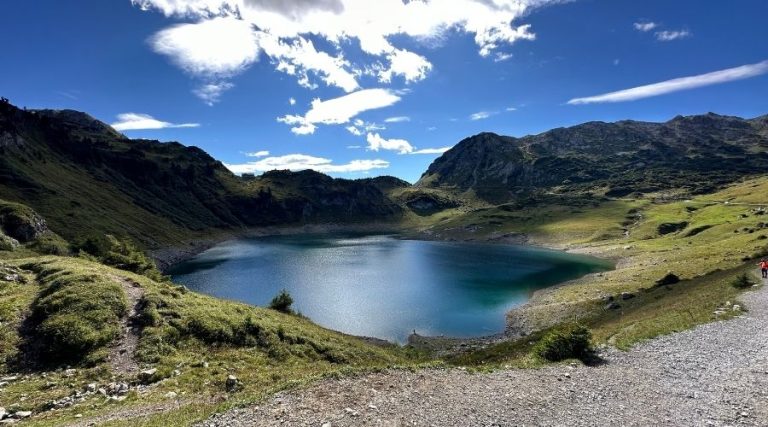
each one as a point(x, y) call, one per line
point(764, 268)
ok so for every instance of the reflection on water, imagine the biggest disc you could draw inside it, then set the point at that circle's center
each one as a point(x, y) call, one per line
point(384, 287)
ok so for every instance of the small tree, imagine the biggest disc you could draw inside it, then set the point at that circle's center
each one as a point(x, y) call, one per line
point(282, 302)
point(743, 281)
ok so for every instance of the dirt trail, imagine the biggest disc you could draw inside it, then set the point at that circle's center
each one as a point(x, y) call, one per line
point(121, 355)
point(713, 375)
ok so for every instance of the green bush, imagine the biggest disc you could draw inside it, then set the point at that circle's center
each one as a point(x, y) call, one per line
point(118, 253)
point(570, 341)
point(50, 243)
point(282, 302)
point(742, 281)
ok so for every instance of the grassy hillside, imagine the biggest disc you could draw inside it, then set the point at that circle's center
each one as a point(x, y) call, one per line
point(707, 242)
point(71, 309)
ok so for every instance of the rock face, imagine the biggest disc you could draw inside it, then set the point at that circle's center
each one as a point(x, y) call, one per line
point(697, 153)
point(20, 222)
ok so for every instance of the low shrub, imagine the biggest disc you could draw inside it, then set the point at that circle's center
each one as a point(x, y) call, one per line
point(669, 279)
point(118, 253)
point(282, 302)
point(50, 243)
point(742, 281)
point(571, 341)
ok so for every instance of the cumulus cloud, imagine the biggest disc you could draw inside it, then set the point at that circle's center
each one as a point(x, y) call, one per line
point(666, 36)
point(228, 35)
point(302, 162)
point(218, 47)
point(675, 85)
point(480, 115)
point(136, 121)
point(292, 101)
point(376, 143)
point(645, 26)
point(440, 150)
point(339, 110)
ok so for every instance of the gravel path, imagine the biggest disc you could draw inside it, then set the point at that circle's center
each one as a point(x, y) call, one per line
point(121, 355)
point(715, 374)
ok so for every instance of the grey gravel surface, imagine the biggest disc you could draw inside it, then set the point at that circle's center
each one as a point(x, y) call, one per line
point(715, 374)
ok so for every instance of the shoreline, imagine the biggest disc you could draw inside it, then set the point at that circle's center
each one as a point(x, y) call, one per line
point(518, 321)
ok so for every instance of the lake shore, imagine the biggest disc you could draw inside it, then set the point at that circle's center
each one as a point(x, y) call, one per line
point(520, 321)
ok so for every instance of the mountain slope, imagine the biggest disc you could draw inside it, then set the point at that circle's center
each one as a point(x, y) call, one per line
point(695, 153)
point(86, 178)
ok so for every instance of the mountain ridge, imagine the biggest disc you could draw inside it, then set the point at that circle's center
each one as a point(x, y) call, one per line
point(710, 150)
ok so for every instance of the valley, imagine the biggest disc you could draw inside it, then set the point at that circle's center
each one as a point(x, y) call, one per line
point(682, 216)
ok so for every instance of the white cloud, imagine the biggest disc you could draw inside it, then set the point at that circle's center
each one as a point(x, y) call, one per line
point(211, 93)
point(229, 34)
point(510, 109)
point(219, 47)
point(292, 101)
point(502, 56)
point(354, 147)
point(675, 85)
point(480, 115)
point(303, 162)
point(262, 153)
point(645, 26)
point(397, 119)
point(413, 67)
point(440, 150)
point(666, 36)
point(616, 61)
point(339, 110)
point(376, 143)
point(354, 130)
point(431, 128)
point(136, 121)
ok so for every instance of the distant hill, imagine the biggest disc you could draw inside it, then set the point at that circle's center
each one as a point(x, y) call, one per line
point(86, 178)
point(697, 154)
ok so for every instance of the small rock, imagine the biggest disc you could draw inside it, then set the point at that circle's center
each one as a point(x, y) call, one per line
point(70, 372)
point(147, 375)
point(326, 425)
point(205, 365)
point(736, 307)
point(102, 391)
point(567, 375)
point(612, 306)
point(171, 395)
point(627, 295)
point(3, 413)
point(78, 415)
point(91, 388)
point(12, 378)
point(176, 372)
point(22, 414)
point(232, 383)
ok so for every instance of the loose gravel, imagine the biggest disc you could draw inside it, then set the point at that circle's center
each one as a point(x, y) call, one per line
point(715, 374)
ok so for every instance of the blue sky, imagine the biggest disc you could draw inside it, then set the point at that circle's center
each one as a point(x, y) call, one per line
point(392, 87)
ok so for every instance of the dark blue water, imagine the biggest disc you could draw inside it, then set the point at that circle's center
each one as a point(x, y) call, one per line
point(381, 286)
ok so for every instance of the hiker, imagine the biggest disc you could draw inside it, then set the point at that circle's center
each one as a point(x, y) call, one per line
point(764, 268)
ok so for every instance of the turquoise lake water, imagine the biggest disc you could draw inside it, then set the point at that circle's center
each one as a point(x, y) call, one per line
point(382, 286)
